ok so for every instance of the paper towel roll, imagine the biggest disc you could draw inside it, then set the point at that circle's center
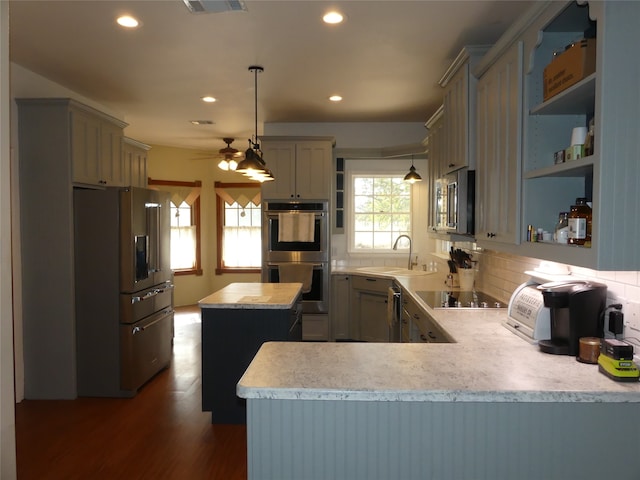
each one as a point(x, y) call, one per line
point(578, 136)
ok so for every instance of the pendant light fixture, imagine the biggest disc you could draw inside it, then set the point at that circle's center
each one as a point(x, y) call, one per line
point(412, 176)
point(253, 165)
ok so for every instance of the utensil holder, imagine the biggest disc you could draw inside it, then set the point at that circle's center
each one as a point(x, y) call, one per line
point(466, 277)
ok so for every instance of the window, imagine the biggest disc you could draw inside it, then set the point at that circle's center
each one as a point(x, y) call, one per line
point(185, 225)
point(381, 211)
point(239, 231)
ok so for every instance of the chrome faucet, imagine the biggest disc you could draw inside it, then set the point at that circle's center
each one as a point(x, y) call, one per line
point(395, 247)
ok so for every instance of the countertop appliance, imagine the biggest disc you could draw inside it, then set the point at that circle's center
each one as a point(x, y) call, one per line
point(527, 316)
point(455, 202)
point(575, 312)
point(462, 299)
point(124, 291)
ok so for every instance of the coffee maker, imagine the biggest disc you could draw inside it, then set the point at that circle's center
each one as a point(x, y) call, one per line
point(575, 311)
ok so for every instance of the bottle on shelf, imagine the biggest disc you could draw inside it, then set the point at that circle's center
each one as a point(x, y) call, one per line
point(580, 223)
point(589, 140)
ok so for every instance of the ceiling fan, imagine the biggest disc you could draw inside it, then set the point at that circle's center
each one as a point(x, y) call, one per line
point(228, 156)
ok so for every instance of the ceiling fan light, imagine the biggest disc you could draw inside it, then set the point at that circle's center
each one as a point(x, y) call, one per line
point(232, 164)
point(223, 165)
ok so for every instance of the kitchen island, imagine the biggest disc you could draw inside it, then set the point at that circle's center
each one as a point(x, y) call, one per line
point(236, 321)
point(489, 406)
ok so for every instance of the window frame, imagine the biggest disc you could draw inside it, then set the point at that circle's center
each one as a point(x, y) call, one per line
point(220, 269)
point(195, 219)
point(371, 167)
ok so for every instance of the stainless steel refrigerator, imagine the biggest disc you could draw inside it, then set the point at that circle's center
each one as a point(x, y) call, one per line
point(124, 290)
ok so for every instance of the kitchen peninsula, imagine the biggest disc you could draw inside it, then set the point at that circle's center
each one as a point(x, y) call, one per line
point(489, 406)
point(236, 320)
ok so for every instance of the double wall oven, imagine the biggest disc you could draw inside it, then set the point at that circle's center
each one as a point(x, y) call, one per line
point(313, 250)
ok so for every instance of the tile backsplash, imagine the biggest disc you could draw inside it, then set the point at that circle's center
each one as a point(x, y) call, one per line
point(499, 274)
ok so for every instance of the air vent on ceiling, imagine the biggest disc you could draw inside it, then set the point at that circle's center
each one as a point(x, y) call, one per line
point(215, 6)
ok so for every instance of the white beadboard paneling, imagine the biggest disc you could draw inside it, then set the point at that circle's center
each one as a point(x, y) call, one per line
point(312, 439)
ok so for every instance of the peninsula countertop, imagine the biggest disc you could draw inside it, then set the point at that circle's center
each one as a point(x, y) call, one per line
point(254, 295)
point(487, 363)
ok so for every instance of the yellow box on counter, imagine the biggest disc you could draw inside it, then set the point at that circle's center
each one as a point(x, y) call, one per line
point(568, 68)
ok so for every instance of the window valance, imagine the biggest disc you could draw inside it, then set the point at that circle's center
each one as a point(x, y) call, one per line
point(243, 193)
point(180, 191)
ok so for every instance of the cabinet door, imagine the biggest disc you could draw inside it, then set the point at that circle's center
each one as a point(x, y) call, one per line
point(280, 158)
point(340, 307)
point(85, 148)
point(138, 169)
point(112, 161)
point(499, 130)
point(435, 154)
point(456, 122)
point(135, 164)
point(372, 312)
point(313, 170)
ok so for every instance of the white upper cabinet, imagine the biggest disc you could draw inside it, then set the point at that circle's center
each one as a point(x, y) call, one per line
point(610, 97)
point(459, 102)
point(135, 157)
point(435, 155)
point(499, 149)
point(301, 167)
point(96, 149)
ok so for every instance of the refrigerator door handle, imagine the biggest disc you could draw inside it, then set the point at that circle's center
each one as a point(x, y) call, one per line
point(153, 227)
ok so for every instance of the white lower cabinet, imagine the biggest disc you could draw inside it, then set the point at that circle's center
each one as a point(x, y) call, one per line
point(369, 308)
point(315, 327)
point(418, 326)
point(340, 313)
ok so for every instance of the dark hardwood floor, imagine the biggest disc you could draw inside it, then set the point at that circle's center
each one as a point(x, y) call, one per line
point(161, 433)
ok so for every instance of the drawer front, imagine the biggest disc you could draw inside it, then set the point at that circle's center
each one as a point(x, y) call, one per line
point(145, 349)
point(372, 284)
point(421, 327)
point(429, 331)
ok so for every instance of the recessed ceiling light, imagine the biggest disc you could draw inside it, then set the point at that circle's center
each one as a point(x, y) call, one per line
point(208, 99)
point(127, 21)
point(335, 98)
point(332, 17)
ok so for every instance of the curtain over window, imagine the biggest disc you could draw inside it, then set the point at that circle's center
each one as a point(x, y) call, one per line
point(185, 224)
point(239, 227)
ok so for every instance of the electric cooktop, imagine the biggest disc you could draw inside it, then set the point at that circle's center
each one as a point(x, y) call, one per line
point(465, 299)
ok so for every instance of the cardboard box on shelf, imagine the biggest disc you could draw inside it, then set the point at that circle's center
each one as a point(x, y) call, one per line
point(568, 68)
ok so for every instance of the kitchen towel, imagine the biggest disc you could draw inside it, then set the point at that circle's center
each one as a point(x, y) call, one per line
point(297, 273)
point(296, 227)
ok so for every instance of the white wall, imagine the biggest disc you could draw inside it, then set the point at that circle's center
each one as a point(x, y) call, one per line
point(170, 163)
point(355, 135)
point(7, 409)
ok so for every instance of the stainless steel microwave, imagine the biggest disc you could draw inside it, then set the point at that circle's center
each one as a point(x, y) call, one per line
point(454, 197)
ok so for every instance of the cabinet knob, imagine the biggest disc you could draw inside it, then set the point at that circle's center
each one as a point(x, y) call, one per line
point(491, 235)
point(452, 165)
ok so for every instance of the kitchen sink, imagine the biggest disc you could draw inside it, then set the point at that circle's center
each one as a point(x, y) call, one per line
point(395, 271)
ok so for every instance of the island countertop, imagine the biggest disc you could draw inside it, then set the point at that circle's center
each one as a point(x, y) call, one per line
point(254, 295)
